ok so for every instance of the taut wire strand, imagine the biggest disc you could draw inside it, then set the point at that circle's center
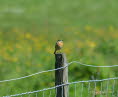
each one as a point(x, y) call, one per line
point(91, 65)
point(62, 85)
point(54, 70)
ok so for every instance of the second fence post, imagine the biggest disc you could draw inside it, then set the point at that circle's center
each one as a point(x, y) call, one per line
point(61, 75)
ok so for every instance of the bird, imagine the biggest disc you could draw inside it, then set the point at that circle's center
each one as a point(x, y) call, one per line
point(58, 45)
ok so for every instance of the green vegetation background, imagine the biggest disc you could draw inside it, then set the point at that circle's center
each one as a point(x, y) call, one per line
point(30, 28)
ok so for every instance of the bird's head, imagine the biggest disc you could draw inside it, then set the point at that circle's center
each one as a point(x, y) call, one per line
point(59, 40)
point(60, 43)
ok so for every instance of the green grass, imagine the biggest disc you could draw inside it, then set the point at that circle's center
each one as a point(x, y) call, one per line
point(55, 15)
point(30, 28)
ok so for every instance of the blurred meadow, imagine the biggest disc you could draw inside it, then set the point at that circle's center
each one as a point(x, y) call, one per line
point(30, 28)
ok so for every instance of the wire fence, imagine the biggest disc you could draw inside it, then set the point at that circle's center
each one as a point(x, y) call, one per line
point(54, 70)
point(90, 88)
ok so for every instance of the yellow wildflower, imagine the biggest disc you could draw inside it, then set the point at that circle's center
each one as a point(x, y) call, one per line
point(15, 59)
point(28, 36)
point(111, 28)
point(88, 28)
point(92, 44)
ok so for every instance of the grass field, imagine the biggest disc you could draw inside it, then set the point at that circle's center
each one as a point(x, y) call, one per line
point(30, 28)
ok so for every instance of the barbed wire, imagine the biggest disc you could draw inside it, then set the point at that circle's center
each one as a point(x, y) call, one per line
point(54, 70)
point(61, 86)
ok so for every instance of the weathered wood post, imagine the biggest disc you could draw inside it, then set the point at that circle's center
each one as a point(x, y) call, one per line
point(61, 75)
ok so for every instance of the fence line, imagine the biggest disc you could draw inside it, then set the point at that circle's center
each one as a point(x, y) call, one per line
point(91, 65)
point(32, 74)
point(54, 70)
point(89, 81)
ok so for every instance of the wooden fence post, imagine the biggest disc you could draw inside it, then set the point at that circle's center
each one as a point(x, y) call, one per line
point(61, 75)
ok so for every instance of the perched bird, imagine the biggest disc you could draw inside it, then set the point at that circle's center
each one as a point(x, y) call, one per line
point(58, 45)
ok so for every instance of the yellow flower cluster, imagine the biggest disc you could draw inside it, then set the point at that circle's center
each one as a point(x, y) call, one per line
point(27, 43)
